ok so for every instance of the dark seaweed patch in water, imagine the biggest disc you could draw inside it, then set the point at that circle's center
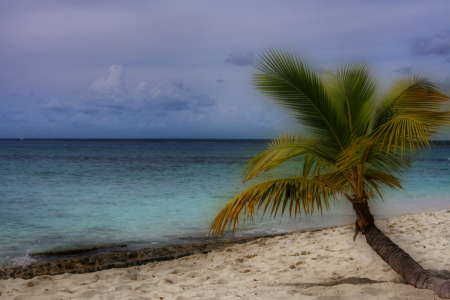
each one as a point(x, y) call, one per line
point(76, 251)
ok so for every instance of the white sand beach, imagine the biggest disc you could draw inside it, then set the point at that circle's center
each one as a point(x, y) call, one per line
point(322, 265)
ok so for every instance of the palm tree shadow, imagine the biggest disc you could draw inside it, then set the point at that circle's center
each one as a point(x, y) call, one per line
point(348, 280)
point(442, 274)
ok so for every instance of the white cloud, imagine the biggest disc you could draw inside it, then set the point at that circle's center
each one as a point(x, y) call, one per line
point(113, 85)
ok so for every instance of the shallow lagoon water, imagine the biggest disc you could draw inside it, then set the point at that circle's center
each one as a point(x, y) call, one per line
point(62, 194)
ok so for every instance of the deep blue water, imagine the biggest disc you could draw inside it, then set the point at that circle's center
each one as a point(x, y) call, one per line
point(61, 194)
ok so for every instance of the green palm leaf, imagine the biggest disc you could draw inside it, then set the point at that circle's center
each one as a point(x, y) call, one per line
point(375, 182)
point(299, 193)
point(353, 88)
point(296, 86)
point(285, 148)
point(410, 96)
point(373, 153)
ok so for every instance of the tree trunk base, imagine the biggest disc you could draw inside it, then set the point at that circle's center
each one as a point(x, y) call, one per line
point(402, 263)
point(364, 218)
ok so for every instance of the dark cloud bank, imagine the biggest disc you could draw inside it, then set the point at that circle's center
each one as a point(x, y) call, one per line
point(111, 95)
point(239, 59)
point(437, 45)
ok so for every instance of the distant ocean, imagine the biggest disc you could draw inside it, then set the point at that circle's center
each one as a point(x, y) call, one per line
point(63, 194)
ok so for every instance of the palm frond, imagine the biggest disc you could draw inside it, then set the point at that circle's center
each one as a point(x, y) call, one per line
point(297, 87)
point(409, 133)
point(353, 88)
point(389, 162)
point(285, 148)
point(338, 178)
point(299, 193)
point(376, 181)
point(409, 96)
point(374, 154)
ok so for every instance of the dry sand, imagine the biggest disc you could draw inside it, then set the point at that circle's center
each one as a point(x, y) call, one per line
point(323, 265)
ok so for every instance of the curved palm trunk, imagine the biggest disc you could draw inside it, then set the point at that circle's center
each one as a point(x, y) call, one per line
point(400, 261)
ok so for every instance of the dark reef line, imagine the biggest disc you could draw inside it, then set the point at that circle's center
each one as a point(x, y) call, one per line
point(75, 251)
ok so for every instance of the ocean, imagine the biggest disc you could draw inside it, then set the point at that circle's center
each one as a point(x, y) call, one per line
point(64, 194)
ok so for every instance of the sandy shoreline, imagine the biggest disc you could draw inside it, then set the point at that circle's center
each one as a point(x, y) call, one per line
point(323, 264)
point(92, 262)
point(92, 259)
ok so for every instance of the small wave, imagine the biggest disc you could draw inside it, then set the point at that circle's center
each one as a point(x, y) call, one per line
point(23, 260)
point(263, 231)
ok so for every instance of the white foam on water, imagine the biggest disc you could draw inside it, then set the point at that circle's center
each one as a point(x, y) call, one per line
point(23, 260)
point(262, 231)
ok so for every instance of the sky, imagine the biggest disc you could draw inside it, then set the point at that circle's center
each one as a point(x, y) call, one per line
point(182, 69)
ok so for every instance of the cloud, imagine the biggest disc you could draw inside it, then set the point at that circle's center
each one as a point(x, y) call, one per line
point(13, 114)
point(403, 71)
point(145, 125)
point(49, 51)
point(178, 83)
point(163, 99)
point(113, 85)
point(111, 96)
point(239, 59)
point(437, 45)
point(55, 105)
point(220, 81)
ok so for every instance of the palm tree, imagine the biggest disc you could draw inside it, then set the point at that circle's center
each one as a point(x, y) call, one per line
point(356, 142)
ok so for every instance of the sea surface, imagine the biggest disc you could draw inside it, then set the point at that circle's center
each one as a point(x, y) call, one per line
point(64, 194)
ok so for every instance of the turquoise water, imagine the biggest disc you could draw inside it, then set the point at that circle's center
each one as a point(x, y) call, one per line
point(61, 194)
